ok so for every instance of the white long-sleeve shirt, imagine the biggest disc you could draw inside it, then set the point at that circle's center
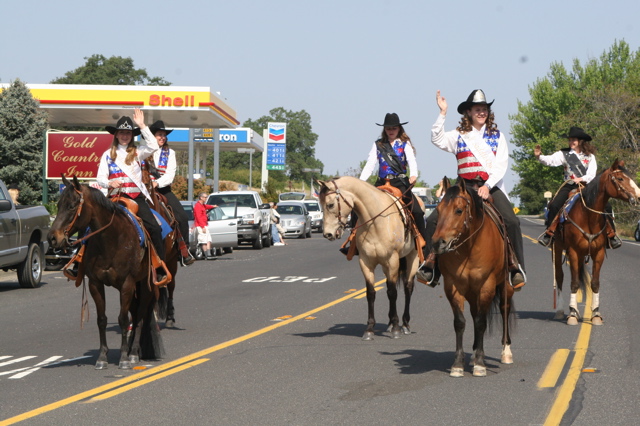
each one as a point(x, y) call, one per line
point(372, 160)
point(558, 159)
point(170, 172)
point(148, 145)
point(496, 168)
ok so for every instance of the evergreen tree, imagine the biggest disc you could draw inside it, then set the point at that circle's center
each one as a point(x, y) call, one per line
point(22, 127)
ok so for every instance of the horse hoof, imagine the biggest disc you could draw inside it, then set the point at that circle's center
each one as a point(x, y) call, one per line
point(368, 335)
point(457, 372)
point(479, 371)
point(124, 365)
point(396, 334)
point(506, 359)
point(406, 330)
point(572, 321)
point(102, 365)
point(596, 321)
point(134, 359)
point(169, 323)
point(559, 315)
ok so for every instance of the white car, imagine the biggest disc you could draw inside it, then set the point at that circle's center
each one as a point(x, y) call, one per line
point(317, 217)
point(295, 219)
point(223, 230)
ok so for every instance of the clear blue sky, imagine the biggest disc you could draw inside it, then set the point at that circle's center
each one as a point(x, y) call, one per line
point(346, 62)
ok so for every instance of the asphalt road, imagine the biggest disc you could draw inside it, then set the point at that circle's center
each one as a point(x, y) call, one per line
point(273, 337)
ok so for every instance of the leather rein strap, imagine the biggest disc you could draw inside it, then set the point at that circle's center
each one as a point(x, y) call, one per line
point(77, 215)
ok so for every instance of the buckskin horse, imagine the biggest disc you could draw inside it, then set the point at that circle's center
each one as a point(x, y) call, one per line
point(113, 257)
point(472, 258)
point(583, 235)
point(382, 238)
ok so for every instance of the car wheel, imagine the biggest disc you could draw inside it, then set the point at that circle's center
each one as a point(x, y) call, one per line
point(637, 233)
point(267, 240)
point(257, 243)
point(199, 255)
point(30, 271)
point(309, 232)
point(227, 250)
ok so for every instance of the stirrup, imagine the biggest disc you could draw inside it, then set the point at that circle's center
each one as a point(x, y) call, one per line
point(545, 239)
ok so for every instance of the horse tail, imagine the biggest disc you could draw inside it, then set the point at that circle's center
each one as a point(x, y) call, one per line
point(496, 313)
point(163, 304)
point(403, 275)
point(151, 343)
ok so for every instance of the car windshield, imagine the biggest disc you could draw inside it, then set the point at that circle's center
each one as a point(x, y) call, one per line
point(297, 210)
point(313, 207)
point(226, 200)
point(291, 196)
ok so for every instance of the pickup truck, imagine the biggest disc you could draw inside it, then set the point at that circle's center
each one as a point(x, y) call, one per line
point(23, 239)
point(254, 226)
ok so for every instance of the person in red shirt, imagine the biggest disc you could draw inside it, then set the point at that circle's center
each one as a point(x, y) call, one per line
point(200, 222)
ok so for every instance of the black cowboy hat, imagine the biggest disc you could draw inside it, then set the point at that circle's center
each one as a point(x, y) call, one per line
point(578, 133)
point(124, 123)
point(159, 125)
point(392, 120)
point(475, 98)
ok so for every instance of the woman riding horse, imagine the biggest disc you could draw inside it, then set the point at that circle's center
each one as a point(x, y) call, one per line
point(580, 168)
point(482, 156)
point(392, 153)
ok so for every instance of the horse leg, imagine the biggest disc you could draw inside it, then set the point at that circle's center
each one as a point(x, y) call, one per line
point(506, 357)
point(479, 315)
point(457, 306)
point(394, 321)
point(128, 303)
point(556, 256)
point(371, 299)
point(596, 317)
point(576, 264)
point(171, 319)
point(408, 286)
point(97, 293)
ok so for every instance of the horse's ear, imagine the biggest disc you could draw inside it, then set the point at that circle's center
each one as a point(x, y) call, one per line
point(75, 182)
point(615, 165)
point(322, 183)
point(65, 180)
point(463, 186)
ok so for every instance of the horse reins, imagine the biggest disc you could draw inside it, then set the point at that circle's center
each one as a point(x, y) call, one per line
point(466, 224)
point(77, 215)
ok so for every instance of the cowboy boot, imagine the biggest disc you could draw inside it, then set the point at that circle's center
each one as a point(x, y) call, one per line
point(547, 236)
point(614, 241)
point(187, 259)
point(428, 272)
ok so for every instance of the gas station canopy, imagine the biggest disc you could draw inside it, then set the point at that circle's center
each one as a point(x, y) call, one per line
point(99, 106)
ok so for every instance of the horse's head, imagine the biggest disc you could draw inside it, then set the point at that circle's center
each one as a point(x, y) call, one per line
point(335, 207)
point(620, 185)
point(455, 215)
point(69, 208)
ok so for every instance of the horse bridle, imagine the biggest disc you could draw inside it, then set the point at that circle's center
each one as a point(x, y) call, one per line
point(466, 224)
point(77, 215)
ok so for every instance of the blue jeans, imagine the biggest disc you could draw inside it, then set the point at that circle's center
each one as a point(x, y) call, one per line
point(274, 233)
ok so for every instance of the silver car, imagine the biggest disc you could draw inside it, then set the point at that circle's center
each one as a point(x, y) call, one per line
point(223, 230)
point(295, 219)
point(317, 219)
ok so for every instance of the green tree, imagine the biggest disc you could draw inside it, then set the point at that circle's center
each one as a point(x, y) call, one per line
point(22, 127)
point(115, 70)
point(602, 96)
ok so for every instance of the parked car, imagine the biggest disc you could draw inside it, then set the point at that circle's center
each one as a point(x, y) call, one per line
point(317, 220)
point(428, 209)
point(222, 228)
point(254, 226)
point(295, 219)
point(636, 234)
point(23, 239)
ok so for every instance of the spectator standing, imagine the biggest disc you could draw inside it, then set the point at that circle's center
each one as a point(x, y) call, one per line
point(200, 222)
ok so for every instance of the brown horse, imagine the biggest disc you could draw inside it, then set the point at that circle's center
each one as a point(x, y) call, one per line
point(583, 235)
point(166, 309)
point(113, 257)
point(472, 258)
point(381, 237)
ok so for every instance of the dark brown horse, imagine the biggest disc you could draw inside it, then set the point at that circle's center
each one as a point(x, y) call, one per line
point(166, 309)
point(473, 261)
point(113, 257)
point(583, 235)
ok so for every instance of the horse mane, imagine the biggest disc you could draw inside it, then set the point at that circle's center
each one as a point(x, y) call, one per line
point(455, 191)
point(96, 196)
point(590, 192)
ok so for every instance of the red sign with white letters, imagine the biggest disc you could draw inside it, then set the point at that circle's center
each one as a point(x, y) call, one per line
point(75, 153)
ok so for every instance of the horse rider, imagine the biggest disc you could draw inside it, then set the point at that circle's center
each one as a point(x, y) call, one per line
point(393, 153)
point(482, 156)
point(580, 167)
point(165, 162)
point(121, 173)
